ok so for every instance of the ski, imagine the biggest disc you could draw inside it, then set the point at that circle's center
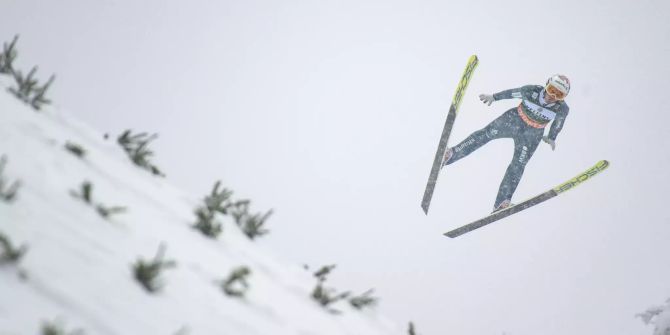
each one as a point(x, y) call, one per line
point(568, 185)
point(448, 125)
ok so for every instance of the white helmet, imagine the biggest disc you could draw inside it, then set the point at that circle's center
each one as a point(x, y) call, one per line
point(560, 82)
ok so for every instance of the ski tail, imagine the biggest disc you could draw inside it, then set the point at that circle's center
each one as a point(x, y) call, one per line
point(568, 185)
point(446, 131)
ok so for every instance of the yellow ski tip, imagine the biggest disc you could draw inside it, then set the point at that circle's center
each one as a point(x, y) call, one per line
point(584, 176)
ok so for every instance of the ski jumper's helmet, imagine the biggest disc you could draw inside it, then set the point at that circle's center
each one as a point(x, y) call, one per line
point(558, 85)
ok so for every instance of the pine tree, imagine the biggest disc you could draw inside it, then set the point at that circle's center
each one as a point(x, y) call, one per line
point(326, 296)
point(236, 285)
point(75, 149)
point(364, 300)
point(26, 84)
point(147, 272)
point(8, 253)
point(7, 190)
point(137, 148)
point(324, 271)
point(8, 56)
point(240, 210)
point(57, 328)
point(106, 212)
point(252, 225)
point(38, 99)
point(411, 330)
point(86, 194)
point(206, 222)
point(27, 89)
point(219, 200)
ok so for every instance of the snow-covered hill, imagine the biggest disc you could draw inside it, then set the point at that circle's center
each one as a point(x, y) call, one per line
point(78, 267)
point(659, 317)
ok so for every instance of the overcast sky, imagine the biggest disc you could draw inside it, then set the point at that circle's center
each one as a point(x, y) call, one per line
point(330, 112)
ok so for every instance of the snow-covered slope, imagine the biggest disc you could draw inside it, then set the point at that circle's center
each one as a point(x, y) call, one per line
point(659, 317)
point(78, 265)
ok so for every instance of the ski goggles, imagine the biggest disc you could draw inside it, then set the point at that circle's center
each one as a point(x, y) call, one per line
point(555, 92)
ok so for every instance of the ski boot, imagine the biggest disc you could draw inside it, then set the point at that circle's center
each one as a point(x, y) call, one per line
point(504, 204)
point(447, 156)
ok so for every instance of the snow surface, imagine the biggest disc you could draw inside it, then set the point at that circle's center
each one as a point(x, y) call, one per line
point(78, 265)
point(659, 316)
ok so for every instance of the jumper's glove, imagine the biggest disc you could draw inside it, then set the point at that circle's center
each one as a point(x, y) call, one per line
point(487, 98)
point(550, 142)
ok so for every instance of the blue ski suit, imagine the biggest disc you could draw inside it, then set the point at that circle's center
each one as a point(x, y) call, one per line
point(525, 125)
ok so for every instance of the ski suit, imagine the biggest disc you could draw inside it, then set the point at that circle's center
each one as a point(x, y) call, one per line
point(525, 124)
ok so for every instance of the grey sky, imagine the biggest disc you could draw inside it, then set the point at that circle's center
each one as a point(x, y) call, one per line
point(330, 112)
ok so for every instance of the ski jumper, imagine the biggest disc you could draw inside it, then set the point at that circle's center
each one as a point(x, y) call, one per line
point(525, 124)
